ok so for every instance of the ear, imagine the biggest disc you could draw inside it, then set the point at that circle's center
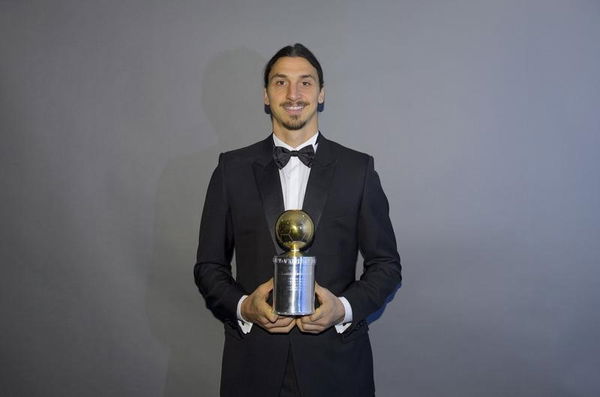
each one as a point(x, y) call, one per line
point(266, 97)
point(322, 95)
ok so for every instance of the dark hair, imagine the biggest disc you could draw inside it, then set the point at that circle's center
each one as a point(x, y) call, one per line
point(297, 50)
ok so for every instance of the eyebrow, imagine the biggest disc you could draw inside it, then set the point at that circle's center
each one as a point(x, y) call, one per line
point(304, 76)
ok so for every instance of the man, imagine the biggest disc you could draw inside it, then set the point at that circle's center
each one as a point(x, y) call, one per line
point(327, 353)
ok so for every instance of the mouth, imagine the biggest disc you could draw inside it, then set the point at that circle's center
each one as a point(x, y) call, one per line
point(294, 108)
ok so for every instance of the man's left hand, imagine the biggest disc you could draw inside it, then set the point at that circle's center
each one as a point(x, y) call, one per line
point(330, 312)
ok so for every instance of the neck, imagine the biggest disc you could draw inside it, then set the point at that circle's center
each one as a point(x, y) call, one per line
point(295, 138)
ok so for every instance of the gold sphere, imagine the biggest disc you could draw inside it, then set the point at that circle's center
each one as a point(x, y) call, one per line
point(294, 230)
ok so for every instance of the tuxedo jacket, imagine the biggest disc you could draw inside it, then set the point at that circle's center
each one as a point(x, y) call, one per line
point(350, 212)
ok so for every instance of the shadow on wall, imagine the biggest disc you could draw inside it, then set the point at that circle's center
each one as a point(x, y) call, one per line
point(175, 308)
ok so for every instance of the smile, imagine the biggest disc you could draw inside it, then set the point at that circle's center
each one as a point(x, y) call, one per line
point(294, 108)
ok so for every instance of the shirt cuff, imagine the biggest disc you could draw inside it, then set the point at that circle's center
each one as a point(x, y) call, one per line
point(245, 326)
point(347, 321)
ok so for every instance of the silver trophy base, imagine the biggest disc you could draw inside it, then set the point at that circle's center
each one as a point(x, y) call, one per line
point(294, 285)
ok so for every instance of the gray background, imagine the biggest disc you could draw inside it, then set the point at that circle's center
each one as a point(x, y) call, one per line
point(482, 116)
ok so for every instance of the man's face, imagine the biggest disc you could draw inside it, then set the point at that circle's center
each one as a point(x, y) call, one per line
point(293, 94)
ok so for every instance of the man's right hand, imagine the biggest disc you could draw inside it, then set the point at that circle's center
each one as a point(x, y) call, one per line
point(256, 310)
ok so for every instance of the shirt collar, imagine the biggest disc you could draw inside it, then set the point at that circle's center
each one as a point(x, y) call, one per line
point(311, 141)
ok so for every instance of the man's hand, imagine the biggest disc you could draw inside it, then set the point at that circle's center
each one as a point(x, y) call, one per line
point(255, 309)
point(329, 313)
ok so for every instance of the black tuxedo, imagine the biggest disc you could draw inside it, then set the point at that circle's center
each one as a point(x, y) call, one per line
point(350, 212)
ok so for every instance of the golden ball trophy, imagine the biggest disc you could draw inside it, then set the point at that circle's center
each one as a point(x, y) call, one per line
point(294, 280)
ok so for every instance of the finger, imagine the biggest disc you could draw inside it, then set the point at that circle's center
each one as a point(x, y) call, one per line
point(321, 293)
point(304, 319)
point(282, 330)
point(267, 322)
point(266, 287)
point(308, 324)
point(270, 314)
point(311, 328)
point(286, 320)
point(318, 290)
point(281, 322)
point(311, 318)
point(266, 312)
point(317, 315)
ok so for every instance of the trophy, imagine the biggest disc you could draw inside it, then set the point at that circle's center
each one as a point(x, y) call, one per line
point(294, 281)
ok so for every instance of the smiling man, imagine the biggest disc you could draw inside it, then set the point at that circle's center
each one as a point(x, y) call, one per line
point(295, 89)
point(327, 353)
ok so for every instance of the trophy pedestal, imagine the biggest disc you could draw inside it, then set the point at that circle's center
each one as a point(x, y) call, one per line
point(294, 289)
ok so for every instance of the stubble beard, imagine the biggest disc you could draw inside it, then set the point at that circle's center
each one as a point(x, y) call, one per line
point(294, 123)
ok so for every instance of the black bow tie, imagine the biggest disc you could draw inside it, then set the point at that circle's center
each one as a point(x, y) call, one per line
point(281, 155)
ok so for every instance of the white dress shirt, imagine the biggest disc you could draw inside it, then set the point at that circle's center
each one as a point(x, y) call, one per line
point(294, 179)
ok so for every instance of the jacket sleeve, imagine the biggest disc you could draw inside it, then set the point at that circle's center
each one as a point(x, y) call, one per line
point(381, 275)
point(212, 271)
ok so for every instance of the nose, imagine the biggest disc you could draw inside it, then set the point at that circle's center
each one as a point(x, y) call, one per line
point(292, 92)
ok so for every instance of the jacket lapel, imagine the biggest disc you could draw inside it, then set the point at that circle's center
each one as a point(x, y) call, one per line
point(320, 180)
point(269, 186)
point(317, 189)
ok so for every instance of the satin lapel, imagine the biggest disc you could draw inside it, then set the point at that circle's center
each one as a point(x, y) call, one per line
point(320, 180)
point(269, 186)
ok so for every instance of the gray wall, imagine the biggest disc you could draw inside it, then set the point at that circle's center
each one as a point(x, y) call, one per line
point(483, 119)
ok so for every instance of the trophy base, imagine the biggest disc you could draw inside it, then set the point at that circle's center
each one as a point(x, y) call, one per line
point(293, 314)
point(294, 289)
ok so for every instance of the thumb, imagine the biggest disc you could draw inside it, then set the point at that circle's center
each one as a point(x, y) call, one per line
point(320, 292)
point(318, 289)
point(317, 314)
point(266, 287)
point(270, 314)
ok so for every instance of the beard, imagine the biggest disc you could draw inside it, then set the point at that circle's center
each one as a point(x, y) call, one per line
point(295, 122)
